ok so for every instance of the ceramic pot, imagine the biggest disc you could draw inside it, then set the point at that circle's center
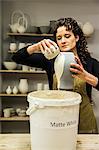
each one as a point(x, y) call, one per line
point(8, 90)
point(22, 21)
point(88, 29)
point(23, 86)
point(21, 45)
point(7, 112)
point(14, 27)
point(39, 86)
point(15, 23)
point(15, 90)
point(62, 70)
point(52, 25)
point(13, 46)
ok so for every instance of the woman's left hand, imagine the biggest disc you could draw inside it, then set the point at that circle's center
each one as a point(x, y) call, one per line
point(78, 71)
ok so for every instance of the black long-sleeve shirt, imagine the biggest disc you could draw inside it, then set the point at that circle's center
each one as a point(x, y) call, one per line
point(38, 60)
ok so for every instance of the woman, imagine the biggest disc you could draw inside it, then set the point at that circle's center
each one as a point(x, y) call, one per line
point(68, 36)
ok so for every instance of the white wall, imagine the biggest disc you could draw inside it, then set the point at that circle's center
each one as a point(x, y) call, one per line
point(42, 11)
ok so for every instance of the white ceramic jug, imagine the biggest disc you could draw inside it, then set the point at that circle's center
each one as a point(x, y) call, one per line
point(62, 70)
point(22, 21)
point(14, 27)
point(14, 22)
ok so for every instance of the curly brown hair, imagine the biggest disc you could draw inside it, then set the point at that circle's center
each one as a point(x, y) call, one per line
point(81, 45)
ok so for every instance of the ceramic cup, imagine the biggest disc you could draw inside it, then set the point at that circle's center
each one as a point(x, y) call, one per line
point(25, 68)
point(21, 45)
point(7, 112)
point(46, 87)
point(13, 46)
point(39, 86)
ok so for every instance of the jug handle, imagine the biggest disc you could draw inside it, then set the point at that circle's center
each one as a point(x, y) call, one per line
point(13, 14)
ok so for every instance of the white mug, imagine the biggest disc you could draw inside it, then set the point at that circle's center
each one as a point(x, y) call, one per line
point(46, 87)
point(13, 46)
point(25, 68)
point(21, 45)
point(7, 112)
point(39, 86)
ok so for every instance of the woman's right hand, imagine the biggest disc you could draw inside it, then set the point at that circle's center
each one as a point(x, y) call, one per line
point(48, 45)
point(49, 48)
point(43, 45)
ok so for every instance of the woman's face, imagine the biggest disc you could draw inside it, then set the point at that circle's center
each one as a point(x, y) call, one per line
point(66, 39)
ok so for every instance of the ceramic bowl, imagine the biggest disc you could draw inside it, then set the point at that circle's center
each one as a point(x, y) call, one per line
point(10, 65)
point(44, 29)
point(33, 29)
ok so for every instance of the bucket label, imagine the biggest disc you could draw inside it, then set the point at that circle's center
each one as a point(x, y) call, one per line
point(55, 124)
point(63, 124)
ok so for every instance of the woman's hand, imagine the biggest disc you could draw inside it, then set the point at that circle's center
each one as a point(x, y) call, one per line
point(49, 48)
point(48, 45)
point(80, 72)
point(45, 45)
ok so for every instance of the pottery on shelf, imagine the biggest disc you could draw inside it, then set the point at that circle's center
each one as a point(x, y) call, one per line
point(23, 86)
point(52, 25)
point(15, 90)
point(13, 46)
point(8, 90)
point(22, 24)
point(18, 22)
point(21, 45)
point(44, 29)
point(10, 65)
point(88, 29)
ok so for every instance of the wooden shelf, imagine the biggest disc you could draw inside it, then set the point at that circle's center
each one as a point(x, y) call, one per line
point(29, 34)
point(9, 51)
point(4, 94)
point(21, 71)
point(15, 118)
point(34, 34)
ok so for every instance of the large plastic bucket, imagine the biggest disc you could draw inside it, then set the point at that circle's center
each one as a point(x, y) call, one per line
point(54, 118)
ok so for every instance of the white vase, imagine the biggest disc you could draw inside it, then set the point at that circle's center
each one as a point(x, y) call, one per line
point(88, 29)
point(8, 90)
point(23, 86)
point(15, 90)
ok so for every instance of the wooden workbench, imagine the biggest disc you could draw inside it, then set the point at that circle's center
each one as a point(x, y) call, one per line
point(22, 142)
